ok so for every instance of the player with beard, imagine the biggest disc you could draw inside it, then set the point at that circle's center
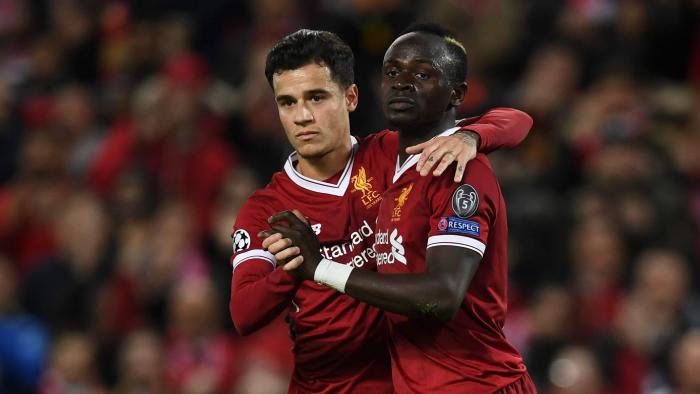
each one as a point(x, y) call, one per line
point(337, 180)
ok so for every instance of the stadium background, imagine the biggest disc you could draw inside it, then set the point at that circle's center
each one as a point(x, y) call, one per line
point(132, 131)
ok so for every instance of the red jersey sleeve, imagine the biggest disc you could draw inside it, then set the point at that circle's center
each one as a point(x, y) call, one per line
point(462, 215)
point(499, 128)
point(260, 290)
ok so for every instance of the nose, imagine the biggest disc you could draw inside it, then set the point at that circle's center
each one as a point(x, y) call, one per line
point(403, 81)
point(303, 114)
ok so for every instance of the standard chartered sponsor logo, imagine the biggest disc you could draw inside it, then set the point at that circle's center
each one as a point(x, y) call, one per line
point(398, 253)
point(334, 252)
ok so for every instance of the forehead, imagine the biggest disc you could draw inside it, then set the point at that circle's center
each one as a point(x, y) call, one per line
point(418, 46)
point(309, 77)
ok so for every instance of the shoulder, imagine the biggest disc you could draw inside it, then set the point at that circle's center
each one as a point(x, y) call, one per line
point(478, 176)
point(259, 206)
point(378, 152)
point(379, 140)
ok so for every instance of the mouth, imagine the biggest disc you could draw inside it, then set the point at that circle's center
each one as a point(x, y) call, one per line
point(305, 135)
point(400, 103)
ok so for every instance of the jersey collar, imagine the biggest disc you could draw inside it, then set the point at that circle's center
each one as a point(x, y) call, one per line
point(413, 159)
point(337, 189)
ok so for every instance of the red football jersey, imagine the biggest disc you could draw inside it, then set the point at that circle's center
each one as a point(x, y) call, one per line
point(469, 354)
point(340, 343)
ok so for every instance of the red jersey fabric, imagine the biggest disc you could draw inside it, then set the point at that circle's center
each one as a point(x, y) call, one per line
point(469, 354)
point(340, 344)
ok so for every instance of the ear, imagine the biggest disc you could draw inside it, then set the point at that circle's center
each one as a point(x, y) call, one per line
point(459, 92)
point(351, 97)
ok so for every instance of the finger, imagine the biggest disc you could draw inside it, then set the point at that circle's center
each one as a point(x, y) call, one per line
point(461, 166)
point(301, 216)
point(288, 253)
point(280, 245)
point(271, 239)
point(427, 155)
point(266, 234)
point(418, 148)
point(437, 156)
point(293, 264)
point(447, 159)
point(286, 216)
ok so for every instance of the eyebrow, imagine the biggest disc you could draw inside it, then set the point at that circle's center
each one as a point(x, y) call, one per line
point(316, 91)
point(305, 93)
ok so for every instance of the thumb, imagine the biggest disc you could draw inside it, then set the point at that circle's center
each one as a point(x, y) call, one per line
point(300, 215)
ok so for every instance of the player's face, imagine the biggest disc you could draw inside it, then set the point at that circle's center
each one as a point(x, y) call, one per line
point(414, 88)
point(314, 109)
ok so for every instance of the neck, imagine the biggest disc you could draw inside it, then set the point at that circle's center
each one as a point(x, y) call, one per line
point(323, 167)
point(415, 133)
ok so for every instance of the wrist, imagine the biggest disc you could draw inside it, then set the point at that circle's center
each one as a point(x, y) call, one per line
point(332, 274)
point(469, 136)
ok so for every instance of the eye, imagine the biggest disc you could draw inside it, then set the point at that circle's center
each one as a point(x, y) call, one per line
point(316, 98)
point(392, 73)
point(285, 103)
point(422, 76)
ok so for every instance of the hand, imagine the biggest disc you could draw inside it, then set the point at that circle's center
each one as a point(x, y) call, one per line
point(295, 244)
point(460, 146)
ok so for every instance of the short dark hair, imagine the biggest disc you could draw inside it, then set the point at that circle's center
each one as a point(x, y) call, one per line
point(457, 70)
point(312, 46)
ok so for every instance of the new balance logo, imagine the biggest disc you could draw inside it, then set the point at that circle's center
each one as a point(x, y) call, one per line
point(398, 252)
point(396, 247)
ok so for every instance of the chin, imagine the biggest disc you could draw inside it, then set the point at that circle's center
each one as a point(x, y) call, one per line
point(401, 120)
point(311, 151)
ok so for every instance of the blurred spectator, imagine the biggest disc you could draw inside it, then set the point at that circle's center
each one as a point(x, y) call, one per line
point(598, 257)
point(685, 357)
point(61, 289)
point(141, 364)
point(24, 340)
point(72, 367)
point(30, 205)
point(199, 357)
point(575, 370)
point(75, 122)
point(552, 328)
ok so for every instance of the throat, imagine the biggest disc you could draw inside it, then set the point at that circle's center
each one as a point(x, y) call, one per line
point(325, 168)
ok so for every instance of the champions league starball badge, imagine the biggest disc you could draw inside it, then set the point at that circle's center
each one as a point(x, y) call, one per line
point(465, 201)
point(241, 240)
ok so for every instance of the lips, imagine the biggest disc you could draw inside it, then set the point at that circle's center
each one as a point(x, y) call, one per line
point(306, 135)
point(401, 103)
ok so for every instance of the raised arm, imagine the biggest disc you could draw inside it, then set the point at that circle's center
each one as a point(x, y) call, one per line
point(496, 129)
point(499, 128)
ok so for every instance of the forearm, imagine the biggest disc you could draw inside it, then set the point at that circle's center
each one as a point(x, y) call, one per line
point(499, 128)
point(255, 303)
point(416, 295)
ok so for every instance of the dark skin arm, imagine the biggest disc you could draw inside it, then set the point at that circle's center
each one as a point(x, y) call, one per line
point(438, 292)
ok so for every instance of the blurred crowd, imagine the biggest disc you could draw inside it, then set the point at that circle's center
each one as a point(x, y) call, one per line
point(131, 132)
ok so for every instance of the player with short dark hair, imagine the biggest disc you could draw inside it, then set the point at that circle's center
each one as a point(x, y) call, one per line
point(340, 343)
point(441, 247)
point(317, 46)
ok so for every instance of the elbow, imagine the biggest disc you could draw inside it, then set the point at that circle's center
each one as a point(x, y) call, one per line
point(242, 327)
point(526, 121)
point(446, 305)
point(448, 310)
point(451, 298)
